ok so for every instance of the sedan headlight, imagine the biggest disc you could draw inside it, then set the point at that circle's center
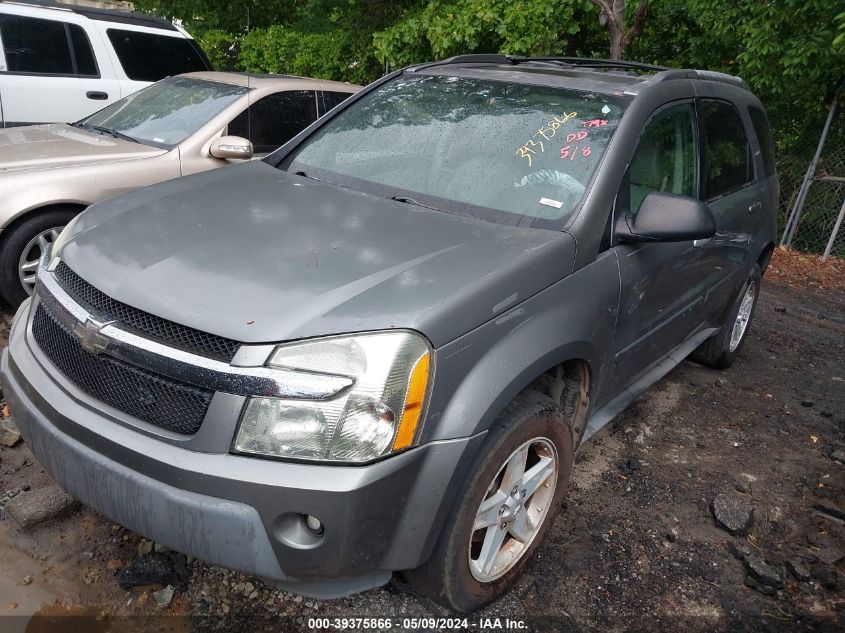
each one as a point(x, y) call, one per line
point(380, 414)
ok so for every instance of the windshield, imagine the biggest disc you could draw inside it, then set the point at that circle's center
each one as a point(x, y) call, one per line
point(166, 113)
point(506, 152)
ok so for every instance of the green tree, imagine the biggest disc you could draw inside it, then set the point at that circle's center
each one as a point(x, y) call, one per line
point(784, 49)
point(791, 52)
point(440, 28)
point(621, 29)
point(200, 16)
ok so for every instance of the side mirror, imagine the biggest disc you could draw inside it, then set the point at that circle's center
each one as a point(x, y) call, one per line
point(666, 217)
point(231, 147)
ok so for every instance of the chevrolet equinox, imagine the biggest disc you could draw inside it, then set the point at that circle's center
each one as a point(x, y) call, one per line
point(377, 350)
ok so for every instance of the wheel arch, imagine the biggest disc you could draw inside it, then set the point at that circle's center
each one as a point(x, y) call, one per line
point(23, 216)
point(567, 375)
point(766, 257)
point(569, 384)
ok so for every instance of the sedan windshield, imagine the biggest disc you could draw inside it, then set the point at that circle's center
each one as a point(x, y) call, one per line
point(511, 153)
point(166, 113)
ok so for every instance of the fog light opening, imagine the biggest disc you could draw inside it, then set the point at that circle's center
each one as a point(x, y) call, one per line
point(314, 525)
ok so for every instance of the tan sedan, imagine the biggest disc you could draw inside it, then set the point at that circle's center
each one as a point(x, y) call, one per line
point(178, 126)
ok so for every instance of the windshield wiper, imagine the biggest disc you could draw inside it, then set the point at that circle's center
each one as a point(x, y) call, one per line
point(304, 175)
point(106, 130)
point(407, 200)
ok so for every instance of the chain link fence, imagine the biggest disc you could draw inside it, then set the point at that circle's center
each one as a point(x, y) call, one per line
point(819, 218)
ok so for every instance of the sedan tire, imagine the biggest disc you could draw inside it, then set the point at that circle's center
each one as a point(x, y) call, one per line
point(22, 246)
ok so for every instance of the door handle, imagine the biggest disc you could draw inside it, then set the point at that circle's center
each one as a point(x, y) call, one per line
point(97, 95)
point(754, 208)
point(700, 243)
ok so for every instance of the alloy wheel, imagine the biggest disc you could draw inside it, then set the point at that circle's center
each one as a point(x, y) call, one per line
point(513, 510)
point(743, 316)
point(28, 264)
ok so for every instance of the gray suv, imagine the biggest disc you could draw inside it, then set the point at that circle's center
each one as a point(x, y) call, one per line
point(378, 349)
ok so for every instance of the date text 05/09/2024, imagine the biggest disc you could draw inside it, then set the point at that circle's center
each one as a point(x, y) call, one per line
point(417, 624)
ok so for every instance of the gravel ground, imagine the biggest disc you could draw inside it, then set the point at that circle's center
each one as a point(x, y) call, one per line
point(636, 548)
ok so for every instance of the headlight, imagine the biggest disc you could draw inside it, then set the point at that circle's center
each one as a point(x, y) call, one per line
point(380, 414)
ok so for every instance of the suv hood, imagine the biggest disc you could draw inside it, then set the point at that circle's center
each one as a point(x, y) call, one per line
point(255, 254)
point(36, 147)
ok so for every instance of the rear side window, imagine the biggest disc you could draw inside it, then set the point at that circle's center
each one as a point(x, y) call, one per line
point(331, 99)
point(36, 46)
point(150, 57)
point(764, 137)
point(728, 162)
point(276, 119)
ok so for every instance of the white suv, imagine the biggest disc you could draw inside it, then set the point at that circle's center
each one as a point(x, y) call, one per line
point(60, 63)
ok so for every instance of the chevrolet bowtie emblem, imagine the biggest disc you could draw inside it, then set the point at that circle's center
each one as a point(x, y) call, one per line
point(90, 337)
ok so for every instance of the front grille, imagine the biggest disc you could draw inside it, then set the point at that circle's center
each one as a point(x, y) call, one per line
point(166, 403)
point(187, 338)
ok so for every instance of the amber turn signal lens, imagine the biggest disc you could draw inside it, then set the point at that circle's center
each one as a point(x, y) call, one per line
point(413, 404)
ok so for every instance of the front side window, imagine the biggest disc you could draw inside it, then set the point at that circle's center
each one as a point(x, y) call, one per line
point(166, 113)
point(511, 153)
point(665, 159)
point(272, 121)
point(728, 161)
point(35, 46)
point(150, 57)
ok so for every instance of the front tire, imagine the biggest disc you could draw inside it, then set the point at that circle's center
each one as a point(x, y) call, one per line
point(505, 508)
point(721, 350)
point(21, 248)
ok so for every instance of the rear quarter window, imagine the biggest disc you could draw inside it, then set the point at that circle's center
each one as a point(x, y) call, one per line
point(150, 57)
point(332, 99)
point(86, 65)
point(764, 137)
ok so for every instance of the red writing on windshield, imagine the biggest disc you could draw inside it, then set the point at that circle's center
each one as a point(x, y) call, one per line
point(571, 152)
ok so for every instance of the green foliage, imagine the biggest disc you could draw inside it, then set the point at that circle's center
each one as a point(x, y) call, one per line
point(791, 52)
point(839, 40)
point(441, 28)
point(200, 16)
point(785, 50)
point(332, 54)
point(223, 48)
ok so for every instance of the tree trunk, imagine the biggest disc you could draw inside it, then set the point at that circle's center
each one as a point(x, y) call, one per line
point(612, 17)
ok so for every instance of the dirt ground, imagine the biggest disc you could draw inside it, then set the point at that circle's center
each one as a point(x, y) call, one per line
point(636, 547)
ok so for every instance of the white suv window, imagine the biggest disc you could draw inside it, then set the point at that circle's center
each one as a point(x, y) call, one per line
point(36, 46)
point(150, 57)
point(46, 47)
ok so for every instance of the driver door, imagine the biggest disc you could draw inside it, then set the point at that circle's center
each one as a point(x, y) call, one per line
point(663, 284)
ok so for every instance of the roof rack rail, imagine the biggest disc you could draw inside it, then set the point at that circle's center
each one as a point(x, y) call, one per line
point(104, 15)
point(479, 58)
point(662, 73)
point(591, 62)
point(706, 75)
point(586, 62)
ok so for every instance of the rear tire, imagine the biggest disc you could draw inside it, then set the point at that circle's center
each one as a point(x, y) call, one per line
point(721, 350)
point(463, 576)
point(23, 240)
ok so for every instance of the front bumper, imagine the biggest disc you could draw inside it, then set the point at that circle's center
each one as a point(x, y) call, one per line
point(238, 512)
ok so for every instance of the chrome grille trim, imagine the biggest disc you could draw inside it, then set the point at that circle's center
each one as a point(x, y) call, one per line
point(182, 365)
point(143, 323)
